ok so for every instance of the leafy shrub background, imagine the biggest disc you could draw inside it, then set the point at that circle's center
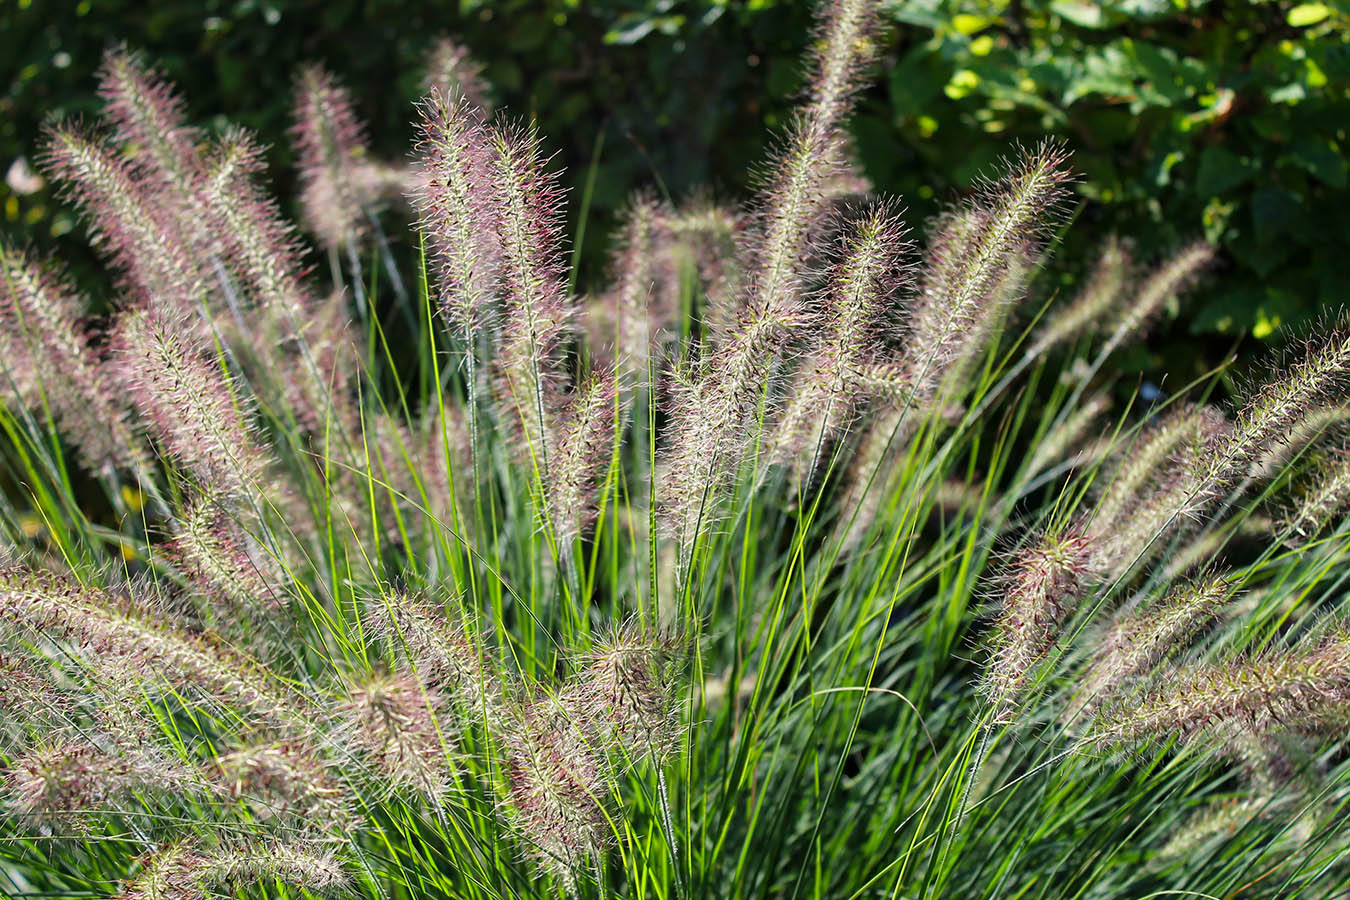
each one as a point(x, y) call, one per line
point(1227, 119)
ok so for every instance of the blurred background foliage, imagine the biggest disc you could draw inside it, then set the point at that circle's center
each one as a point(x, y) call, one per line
point(1218, 118)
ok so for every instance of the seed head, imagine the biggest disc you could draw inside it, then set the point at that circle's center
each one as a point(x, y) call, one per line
point(1041, 589)
point(457, 76)
point(394, 722)
point(627, 692)
point(193, 407)
point(454, 197)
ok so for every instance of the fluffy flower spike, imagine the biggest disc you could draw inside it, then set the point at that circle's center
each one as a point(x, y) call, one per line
point(193, 407)
point(339, 182)
point(866, 284)
point(150, 119)
point(1041, 590)
point(456, 75)
point(126, 221)
point(454, 197)
point(40, 312)
point(584, 448)
point(978, 249)
point(528, 204)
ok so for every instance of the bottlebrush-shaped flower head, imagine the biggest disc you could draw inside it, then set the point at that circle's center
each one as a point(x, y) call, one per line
point(1163, 284)
point(538, 312)
point(194, 409)
point(40, 312)
point(812, 153)
point(1138, 641)
point(455, 198)
point(150, 120)
point(126, 221)
point(1103, 292)
point(223, 563)
point(866, 285)
point(456, 75)
point(1281, 407)
point(583, 451)
point(262, 247)
point(1276, 688)
point(129, 648)
point(715, 416)
point(393, 722)
point(978, 248)
point(628, 691)
point(188, 871)
point(310, 866)
point(1145, 462)
point(558, 793)
point(706, 240)
point(1326, 425)
point(25, 691)
point(1040, 589)
point(447, 652)
point(169, 873)
point(1325, 499)
point(845, 44)
point(74, 778)
point(642, 301)
point(286, 781)
point(1175, 499)
point(330, 142)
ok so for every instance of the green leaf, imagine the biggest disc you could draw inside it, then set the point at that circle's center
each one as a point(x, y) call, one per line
point(1322, 159)
point(1221, 170)
point(1306, 14)
point(1084, 15)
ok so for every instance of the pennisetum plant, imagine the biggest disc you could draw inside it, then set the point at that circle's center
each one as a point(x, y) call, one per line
point(814, 552)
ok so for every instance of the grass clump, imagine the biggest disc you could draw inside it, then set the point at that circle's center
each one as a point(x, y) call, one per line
point(785, 564)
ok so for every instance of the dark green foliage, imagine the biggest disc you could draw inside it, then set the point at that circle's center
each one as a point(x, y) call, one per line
point(1223, 119)
point(1226, 119)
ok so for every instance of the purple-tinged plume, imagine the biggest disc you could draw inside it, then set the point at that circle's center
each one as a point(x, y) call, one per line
point(187, 871)
point(1279, 408)
point(132, 649)
point(641, 301)
point(832, 389)
point(448, 654)
point(287, 781)
point(1138, 641)
point(457, 76)
point(80, 777)
point(628, 692)
point(40, 312)
point(538, 314)
point(1146, 462)
point(1103, 293)
point(224, 564)
point(1325, 499)
point(584, 447)
point(339, 181)
point(1162, 285)
point(394, 723)
point(715, 414)
point(150, 120)
point(455, 199)
point(1276, 689)
point(194, 409)
point(979, 248)
point(558, 793)
point(1040, 590)
point(261, 247)
point(126, 221)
